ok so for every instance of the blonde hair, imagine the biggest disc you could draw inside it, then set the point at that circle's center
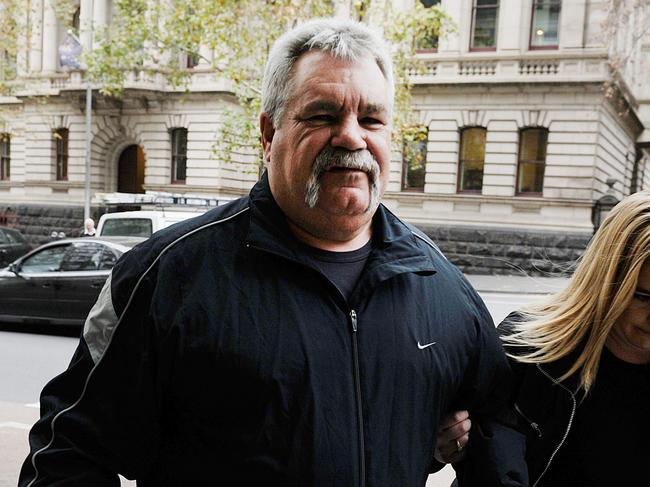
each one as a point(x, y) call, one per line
point(581, 316)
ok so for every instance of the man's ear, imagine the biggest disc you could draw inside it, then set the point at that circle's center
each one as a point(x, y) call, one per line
point(267, 130)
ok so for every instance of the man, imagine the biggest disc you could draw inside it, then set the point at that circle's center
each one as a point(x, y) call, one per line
point(302, 336)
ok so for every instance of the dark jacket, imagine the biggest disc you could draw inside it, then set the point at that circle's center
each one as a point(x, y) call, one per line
point(544, 405)
point(217, 354)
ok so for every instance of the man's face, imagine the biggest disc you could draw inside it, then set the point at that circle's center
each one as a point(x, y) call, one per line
point(332, 146)
point(629, 340)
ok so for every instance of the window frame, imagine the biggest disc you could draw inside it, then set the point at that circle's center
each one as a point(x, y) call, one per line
point(61, 137)
point(475, 7)
point(5, 157)
point(459, 190)
point(176, 157)
point(550, 47)
point(535, 161)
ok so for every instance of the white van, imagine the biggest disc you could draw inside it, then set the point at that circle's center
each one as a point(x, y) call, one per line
point(141, 223)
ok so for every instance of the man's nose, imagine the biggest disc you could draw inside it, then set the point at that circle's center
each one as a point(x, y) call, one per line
point(349, 135)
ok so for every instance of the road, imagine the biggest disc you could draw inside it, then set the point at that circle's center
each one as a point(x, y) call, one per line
point(29, 360)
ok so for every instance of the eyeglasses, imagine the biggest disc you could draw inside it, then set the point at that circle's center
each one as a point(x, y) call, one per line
point(642, 297)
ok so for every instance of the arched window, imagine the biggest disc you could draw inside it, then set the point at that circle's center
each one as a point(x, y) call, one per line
point(5, 156)
point(179, 155)
point(76, 20)
point(471, 159)
point(414, 159)
point(532, 161)
point(61, 136)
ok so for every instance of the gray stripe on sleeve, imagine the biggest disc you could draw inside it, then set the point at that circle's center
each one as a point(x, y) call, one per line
point(101, 323)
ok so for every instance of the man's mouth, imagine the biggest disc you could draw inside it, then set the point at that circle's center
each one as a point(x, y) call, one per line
point(343, 169)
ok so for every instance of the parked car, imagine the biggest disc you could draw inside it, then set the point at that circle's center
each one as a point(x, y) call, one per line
point(59, 282)
point(12, 245)
point(141, 223)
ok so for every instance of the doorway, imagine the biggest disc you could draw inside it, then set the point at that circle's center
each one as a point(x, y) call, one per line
point(130, 170)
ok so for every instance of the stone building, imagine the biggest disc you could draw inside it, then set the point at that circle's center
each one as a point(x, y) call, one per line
point(529, 106)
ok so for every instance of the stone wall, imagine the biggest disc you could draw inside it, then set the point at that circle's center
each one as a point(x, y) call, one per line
point(509, 251)
point(37, 222)
point(475, 250)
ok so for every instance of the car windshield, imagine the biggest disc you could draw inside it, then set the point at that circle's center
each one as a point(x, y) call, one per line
point(135, 227)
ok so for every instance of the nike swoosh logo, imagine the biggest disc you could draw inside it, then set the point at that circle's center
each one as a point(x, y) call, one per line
point(422, 347)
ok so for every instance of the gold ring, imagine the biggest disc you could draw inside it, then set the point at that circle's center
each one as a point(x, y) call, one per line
point(459, 447)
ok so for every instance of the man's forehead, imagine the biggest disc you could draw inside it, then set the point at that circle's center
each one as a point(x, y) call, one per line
point(322, 65)
point(322, 81)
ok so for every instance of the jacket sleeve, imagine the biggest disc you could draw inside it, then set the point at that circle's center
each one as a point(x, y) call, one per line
point(496, 450)
point(101, 416)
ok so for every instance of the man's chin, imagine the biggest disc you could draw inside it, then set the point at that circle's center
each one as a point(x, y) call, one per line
point(344, 205)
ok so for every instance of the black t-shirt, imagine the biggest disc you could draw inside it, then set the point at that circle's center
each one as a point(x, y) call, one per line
point(609, 441)
point(342, 268)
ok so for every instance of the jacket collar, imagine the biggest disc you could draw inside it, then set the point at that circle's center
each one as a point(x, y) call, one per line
point(396, 250)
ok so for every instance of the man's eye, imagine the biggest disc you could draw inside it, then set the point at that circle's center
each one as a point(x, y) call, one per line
point(371, 121)
point(322, 118)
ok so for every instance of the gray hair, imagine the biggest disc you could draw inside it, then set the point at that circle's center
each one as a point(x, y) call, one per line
point(342, 39)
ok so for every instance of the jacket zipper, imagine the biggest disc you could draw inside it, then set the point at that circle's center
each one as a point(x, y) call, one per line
point(357, 382)
point(356, 372)
point(532, 424)
point(568, 428)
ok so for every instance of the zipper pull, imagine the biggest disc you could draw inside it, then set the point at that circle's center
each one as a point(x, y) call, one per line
point(535, 426)
point(353, 319)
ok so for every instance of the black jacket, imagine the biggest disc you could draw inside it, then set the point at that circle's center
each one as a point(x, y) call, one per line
point(544, 405)
point(218, 355)
point(518, 446)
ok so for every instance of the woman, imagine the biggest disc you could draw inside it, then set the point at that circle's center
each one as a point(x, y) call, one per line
point(582, 362)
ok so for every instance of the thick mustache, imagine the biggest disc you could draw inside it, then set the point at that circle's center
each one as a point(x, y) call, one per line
point(330, 157)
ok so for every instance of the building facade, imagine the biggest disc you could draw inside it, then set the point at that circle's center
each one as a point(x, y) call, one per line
point(529, 109)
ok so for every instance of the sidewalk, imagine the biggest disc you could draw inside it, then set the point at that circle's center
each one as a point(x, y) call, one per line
point(517, 284)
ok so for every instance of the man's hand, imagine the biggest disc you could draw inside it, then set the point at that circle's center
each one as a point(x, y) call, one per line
point(453, 435)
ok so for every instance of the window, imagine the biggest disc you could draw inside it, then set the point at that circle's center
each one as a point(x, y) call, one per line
point(471, 160)
point(192, 60)
point(179, 155)
point(61, 146)
point(484, 25)
point(414, 159)
point(136, 227)
point(427, 39)
point(47, 260)
point(5, 157)
point(532, 160)
point(76, 16)
point(544, 24)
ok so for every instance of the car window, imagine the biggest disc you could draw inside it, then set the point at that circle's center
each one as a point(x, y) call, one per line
point(82, 257)
point(15, 237)
point(109, 258)
point(46, 260)
point(134, 227)
point(3, 237)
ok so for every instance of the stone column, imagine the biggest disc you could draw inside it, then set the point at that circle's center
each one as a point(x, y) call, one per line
point(85, 24)
point(36, 36)
point(22, 53)
point(572, 24)
point(100, 17)
point(511, 25)
point(50, 38)
point(206, 56)
point(451, 43)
